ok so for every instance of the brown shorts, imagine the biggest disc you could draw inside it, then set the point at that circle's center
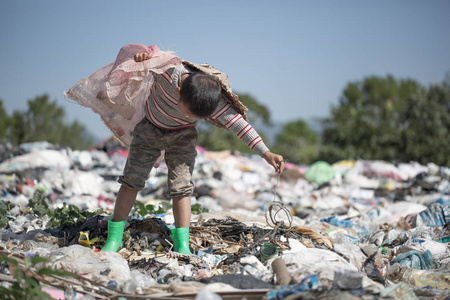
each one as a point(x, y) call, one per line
point(145, 149)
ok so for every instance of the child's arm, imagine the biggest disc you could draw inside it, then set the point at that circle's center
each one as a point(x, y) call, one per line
point(275, 160)
point(138, 57)
point(235, 123)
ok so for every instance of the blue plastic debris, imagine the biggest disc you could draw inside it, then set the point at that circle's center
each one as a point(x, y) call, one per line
point(112, 284)
point(436, 214)
point(340, 223)
point(310, 282)
point(415, 260)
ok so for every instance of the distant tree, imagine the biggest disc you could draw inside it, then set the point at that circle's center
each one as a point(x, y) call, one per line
point(45, 121)
point(426, 126)
point(4, 123)
point(216, 139)
point(389, 119)
point(75, 136)
point(18, 132)
point(297, 142)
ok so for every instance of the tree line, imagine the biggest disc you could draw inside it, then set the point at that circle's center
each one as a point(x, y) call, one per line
point(376, 118)
point(43, 120)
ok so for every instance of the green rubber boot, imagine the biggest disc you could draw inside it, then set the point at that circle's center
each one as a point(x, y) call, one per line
point(115, 233)
point(180, 237)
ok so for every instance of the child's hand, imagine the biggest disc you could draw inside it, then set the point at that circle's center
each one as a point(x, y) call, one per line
point(138, 57)
point(275, 160)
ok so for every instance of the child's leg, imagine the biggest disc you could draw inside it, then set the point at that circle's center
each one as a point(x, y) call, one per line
point(142, 155)
point(182, 212)
point(144, 151)
point(180, 160)
point(180, 234)
point(124, 203)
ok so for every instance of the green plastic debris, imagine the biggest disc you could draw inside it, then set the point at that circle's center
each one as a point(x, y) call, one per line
point(320, 172)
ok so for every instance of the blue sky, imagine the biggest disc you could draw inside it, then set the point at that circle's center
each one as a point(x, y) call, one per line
point(295, 57)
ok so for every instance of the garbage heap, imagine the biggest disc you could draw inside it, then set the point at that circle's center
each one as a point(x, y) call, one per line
point(351, 230)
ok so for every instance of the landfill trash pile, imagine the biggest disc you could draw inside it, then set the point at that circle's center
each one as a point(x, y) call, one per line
point(351, 230)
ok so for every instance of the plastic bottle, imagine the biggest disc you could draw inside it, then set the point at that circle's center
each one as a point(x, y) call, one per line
point(267, 251)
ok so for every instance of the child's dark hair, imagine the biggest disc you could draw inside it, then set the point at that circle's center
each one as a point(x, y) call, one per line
point(201, 93)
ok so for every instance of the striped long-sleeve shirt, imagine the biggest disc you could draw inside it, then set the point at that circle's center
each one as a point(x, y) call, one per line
point(161, 109)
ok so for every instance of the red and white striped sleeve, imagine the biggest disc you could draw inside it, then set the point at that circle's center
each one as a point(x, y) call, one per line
point(235, 123)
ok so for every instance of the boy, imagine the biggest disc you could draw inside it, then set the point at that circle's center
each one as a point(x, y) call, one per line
point(178, 98)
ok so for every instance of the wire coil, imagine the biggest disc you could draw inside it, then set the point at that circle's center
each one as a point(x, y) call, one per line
point(274, 209)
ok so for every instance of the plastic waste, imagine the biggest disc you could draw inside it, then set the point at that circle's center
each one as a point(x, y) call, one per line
point(112, 284)
point(420, 278)
point(336, 222)
point(254, 262)
point(438, 250)
point(344, 245)
point(267, 251)
point(347, 279)
point(253, 266)
point(367, 217)
point(83, 239)
point(412, 169)
point(295, 246)
point(83, 260)
point(399, 291)
point(71, 294)
point(316, 260)
point(372, 271)
point(87, 183)
point(36, 146)
point(423, 233)
point(138, 282)
point(238, 281)
point(310, 282)
point(436, 214)
point(378, 168)
point(320, 172)
point(390, 237)
point(39, 159)
point(205, 294)
point(444, 239)
point(82, 159)
point(415, 260)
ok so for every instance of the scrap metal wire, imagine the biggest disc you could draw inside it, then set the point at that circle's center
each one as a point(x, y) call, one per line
point(274, 209)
